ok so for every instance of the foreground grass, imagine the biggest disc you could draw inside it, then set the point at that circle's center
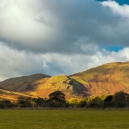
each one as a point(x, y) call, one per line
point(64, 119)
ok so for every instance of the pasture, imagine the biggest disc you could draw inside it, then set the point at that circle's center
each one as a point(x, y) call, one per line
point(64, 119)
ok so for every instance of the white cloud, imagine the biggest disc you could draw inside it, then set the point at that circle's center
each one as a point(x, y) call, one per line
point(60, 36)
point(15, 63)
point(117, 9)
point(56, 26)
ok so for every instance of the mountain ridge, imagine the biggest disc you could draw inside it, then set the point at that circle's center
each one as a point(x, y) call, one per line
point(110, 77)
point(104, 79)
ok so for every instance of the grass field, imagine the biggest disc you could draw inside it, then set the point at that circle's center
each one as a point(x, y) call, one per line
point(64, 119)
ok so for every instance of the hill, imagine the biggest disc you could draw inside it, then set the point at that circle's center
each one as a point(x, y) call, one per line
point(105, 79)
point(11, 95)
point(15, 87)
point(67, 85)
point(40, 85)
point(22, 84)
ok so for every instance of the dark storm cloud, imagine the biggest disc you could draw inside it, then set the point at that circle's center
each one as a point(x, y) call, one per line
point(61, 26)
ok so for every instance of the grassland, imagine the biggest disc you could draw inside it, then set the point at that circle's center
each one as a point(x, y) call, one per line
point(64, 119)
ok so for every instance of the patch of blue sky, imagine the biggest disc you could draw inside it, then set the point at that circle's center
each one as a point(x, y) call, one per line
point(112, 48)
point(119, 1)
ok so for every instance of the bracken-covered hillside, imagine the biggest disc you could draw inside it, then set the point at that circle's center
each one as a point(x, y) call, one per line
point(105, 79)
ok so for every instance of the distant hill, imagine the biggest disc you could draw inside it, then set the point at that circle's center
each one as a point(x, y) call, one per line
point(40, 85)
point(105, 79)
point(22, 84)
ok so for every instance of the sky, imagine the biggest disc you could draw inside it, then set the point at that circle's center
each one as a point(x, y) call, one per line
point(122, 2)
point(61, 36)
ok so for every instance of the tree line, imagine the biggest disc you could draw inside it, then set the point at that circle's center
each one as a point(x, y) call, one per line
point(57, 100)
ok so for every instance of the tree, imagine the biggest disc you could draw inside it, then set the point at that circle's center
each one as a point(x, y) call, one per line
point(39, 102)
point(120, 99)
point(6, 104)
point(56, 99)
point(24, 102)
point(108, 101)
point(57, 96)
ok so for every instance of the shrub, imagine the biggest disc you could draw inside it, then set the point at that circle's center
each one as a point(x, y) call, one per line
point(95, 102)
point(120, 99)
point(73, 102)
point(82, 102)
point(5, 104)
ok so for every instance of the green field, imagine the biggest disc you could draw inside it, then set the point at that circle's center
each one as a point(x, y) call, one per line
point(64, 119)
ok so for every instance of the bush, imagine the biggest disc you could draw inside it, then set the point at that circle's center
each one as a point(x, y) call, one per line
point(95, 102)
point(108, 101)
point(5, 104)
point(82, 103)
point(39, 102)
point(120, 99)
point(24, 102)
point(73, 102)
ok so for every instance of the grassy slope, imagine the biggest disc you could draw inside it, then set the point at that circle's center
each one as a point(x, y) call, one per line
point(69, 86)
point(22, 84)
point(64, 119)
point(12, 88)
point(10, 95)
point(105, 79)
point(40, 85)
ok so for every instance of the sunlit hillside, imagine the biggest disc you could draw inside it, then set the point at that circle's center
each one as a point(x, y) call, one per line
point(105, 79)
point(70, 87)
point(22, 84)
point(13, 88)
point(12, 96)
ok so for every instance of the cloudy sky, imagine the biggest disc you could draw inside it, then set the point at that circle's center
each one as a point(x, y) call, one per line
point(61, 36)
